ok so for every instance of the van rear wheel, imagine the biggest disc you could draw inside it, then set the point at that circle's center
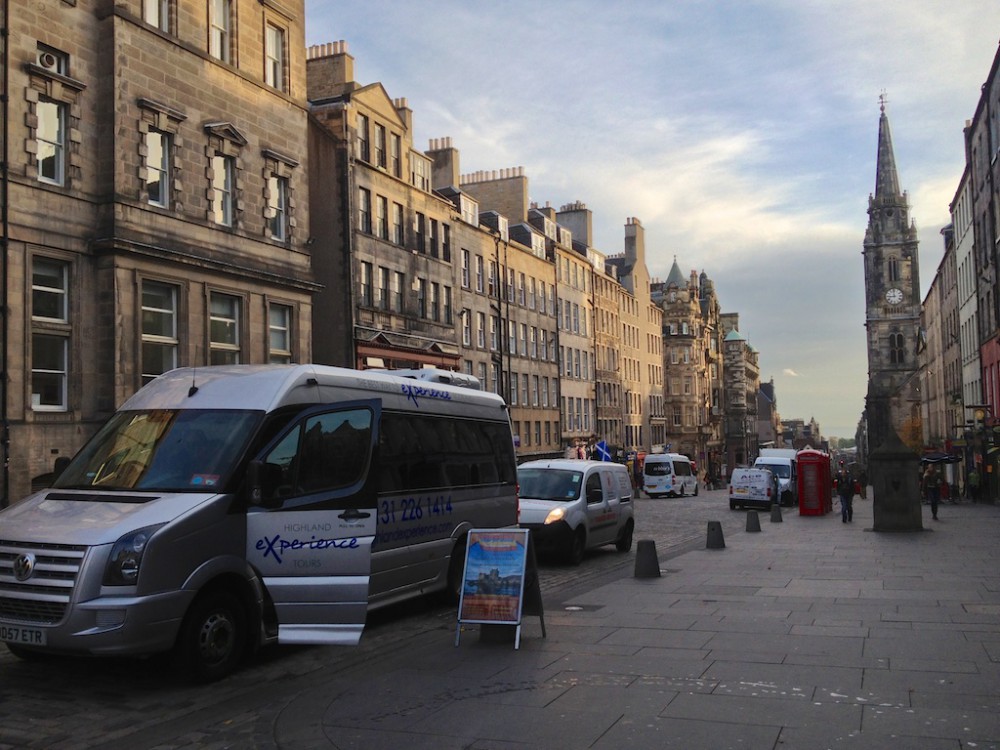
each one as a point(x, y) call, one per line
point(624, 541)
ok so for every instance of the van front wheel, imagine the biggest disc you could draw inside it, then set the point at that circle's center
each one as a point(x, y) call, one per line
point(577, 546)
point(213, 637)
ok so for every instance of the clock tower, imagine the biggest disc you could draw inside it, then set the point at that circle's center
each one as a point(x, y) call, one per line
point(892, 301)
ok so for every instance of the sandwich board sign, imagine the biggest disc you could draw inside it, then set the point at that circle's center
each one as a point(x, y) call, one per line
point(500, 574)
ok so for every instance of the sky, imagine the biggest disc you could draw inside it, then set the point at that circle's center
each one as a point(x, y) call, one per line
point(741, 133)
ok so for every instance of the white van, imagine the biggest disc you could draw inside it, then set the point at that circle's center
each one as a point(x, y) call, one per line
point(225, 507)
point(668, 475)
point(571, 505)
point(756, 488)
point(782, 463)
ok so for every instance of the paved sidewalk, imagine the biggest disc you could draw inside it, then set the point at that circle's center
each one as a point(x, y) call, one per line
point(808, 634)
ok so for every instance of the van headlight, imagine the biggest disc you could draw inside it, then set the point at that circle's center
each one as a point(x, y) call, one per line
point(126, 557)
point(556, 514)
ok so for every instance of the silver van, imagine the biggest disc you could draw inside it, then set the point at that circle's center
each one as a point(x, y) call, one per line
point(572, 505)
point(222, 508)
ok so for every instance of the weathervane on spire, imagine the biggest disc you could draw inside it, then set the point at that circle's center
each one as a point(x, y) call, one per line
point(883, 99)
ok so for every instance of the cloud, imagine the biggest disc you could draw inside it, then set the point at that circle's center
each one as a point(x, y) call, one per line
point(790, 372)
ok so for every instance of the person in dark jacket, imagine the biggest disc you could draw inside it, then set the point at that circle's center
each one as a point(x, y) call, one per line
point(845, 489)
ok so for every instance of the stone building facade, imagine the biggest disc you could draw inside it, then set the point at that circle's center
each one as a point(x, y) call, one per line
point(741, 373)
point(169, 140)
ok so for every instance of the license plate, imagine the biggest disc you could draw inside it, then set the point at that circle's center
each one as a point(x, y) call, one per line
point(741, 491)
point(25, 636)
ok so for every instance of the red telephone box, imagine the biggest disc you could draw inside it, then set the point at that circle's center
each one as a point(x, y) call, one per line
point(815, 483)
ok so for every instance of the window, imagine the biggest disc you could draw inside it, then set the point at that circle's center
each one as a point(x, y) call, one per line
point(435, 302)
point(49, 348)
point(224, 329)
point(274, 57)
point(534, 390)
point(49, 290)
point(897, 353)
point(446, 301)
point(277, 207)
point(420, 230)
point(279, 330)
point(465, 268)
point(479, 273)
point(222, 189)
point(366, 284)
point(364, 210)
point(494, 337)
point(364, 148)
point(220, 24)
point(48, 372)
point(159, 329)
point(481, 330)
point(420, 170)
point(893, 270)
point(395, 167)
point(382, 300)
point(397, 223)
point(396, 292)
point(50, 134)
point(434, 237)
point(157, 168)
point(157, 13)
point(381, 217)
point(380, 160)
point(422, 298)
point(466, 327)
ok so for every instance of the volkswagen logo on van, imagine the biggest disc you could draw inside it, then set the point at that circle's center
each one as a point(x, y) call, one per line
point(24, 566)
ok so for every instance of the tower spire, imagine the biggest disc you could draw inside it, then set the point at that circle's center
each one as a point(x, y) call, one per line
point(886, 178)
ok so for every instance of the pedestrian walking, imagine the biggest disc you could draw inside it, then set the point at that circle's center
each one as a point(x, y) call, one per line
point(932, 488)
point(972, 482)
point(845, 489)
point(863, 481)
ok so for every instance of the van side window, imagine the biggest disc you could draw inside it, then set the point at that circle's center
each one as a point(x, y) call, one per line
point(325, 452)
point(594, 493)
point(422, 452)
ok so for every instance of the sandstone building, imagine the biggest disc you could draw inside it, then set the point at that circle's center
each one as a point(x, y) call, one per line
point(156, 205)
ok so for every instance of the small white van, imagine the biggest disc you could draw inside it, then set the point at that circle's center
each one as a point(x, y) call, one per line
point(755, 488)
point(222, 508)
point(783, 464)
point(571, 505)
point(668, 475)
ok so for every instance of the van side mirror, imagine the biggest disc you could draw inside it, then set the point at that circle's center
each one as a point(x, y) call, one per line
point(253, 483)
point(60, 466)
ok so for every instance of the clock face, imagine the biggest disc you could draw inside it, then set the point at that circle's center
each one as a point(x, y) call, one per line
point(894, 296)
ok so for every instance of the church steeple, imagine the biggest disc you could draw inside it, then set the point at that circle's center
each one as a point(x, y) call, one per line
point(886, 178)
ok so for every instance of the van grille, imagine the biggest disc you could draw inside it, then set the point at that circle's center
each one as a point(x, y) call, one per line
point(42, 598)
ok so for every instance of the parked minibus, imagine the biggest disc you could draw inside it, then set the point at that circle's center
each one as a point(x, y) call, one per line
point(668, 475)
point(223, 508)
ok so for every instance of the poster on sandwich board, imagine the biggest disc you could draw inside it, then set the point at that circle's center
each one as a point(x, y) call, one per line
point(500, 581)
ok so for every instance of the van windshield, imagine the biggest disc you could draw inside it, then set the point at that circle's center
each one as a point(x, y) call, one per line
point(161, 450)
point(780, 470)
point(549, 484)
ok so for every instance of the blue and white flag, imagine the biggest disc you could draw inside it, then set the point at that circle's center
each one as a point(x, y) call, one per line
point(602, 452)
